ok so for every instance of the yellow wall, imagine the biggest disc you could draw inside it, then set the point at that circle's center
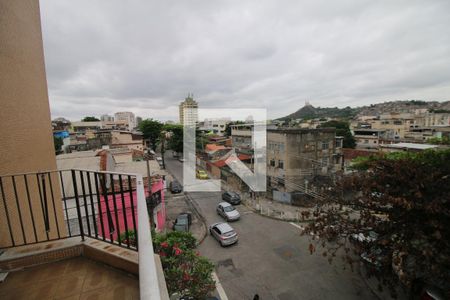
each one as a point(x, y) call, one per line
point(26, 141)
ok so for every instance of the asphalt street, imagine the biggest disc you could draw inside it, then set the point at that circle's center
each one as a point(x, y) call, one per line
point(271, 258)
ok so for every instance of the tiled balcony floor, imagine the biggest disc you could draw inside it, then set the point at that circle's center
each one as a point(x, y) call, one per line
point(75, 278)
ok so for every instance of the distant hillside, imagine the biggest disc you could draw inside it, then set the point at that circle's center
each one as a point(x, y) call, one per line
point(311, 112)
point(405, 106)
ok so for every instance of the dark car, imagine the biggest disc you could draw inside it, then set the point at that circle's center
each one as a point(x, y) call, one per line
point(176, 187)
point(232, 198)
point(376, 257)
point(183, 222)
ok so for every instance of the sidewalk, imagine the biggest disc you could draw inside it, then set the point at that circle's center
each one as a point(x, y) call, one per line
point(277, 210)
point(178, 203)
point(273, 209)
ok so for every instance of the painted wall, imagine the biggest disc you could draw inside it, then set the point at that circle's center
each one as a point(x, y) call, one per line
point(26, 139)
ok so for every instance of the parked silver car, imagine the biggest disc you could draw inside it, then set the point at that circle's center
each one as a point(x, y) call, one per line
point(227, 211)
point(223, 233)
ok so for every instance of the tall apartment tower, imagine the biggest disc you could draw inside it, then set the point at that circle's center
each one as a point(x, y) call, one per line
point(127, 117)
point(188, 111)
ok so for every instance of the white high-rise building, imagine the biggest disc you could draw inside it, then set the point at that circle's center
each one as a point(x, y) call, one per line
point(189, 111)
point(127, 117)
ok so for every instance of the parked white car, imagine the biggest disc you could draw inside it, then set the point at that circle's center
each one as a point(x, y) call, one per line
point(223, 233)
point(227, 211)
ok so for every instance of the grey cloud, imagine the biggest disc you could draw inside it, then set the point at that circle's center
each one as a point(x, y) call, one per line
point(145, 56)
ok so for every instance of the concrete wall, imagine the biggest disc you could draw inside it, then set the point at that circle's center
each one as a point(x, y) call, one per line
point(26, 139)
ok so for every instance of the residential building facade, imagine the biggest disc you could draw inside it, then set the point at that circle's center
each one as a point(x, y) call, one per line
point(295, 154)
point(216, 126)
point(369, 138)
point(127, 117)
point(242, 136)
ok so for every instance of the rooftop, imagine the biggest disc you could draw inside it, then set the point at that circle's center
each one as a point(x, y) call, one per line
point(214, 147)
point(301, 130)
point(410, 146)
point(369, 130)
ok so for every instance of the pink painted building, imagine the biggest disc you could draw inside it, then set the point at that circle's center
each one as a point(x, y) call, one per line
point(122, 209)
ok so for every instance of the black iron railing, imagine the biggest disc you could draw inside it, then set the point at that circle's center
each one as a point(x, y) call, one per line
point(45, 206)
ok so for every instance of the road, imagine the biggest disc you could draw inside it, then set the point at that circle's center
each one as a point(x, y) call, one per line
point(271, 258)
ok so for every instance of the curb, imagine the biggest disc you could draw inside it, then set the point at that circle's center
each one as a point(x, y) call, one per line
point(275, 218)
point(191, 203)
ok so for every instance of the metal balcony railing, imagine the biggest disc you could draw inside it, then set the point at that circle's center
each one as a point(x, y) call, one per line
point(59, 204)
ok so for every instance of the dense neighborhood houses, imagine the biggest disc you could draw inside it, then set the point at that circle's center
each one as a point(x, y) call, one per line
point(309, 162)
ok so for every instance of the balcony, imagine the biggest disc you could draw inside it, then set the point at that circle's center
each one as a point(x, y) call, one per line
point(77, 233)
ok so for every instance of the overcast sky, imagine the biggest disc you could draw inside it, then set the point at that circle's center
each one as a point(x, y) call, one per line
point(145, 56)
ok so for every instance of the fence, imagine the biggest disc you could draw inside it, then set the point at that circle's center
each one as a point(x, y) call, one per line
point(52, 205)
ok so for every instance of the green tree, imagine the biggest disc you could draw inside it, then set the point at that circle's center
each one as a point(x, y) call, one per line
point(151, 129)
point(342, 129)
point(90, 119)
point(175, 142)
point(439, 141)
point(405, 199)
point(201, 139)
point(57, 142)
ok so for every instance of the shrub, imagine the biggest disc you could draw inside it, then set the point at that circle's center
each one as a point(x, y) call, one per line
point(128, 235)
point(186, 272)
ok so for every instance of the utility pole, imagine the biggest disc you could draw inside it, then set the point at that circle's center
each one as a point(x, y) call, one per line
point(163, 150)
point(149, 198)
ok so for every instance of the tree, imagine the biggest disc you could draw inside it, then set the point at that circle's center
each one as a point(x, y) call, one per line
point(176, 140)
point(90, 119)
point(439, 141)
point(57, 142)
point(342, 129)
point(151, 129)
point(201, 139)
point(405, 199)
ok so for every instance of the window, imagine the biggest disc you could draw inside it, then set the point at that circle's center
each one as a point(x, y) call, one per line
point(281, 164)
point(272, 162)
point(324, 145)
point(339, 143)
